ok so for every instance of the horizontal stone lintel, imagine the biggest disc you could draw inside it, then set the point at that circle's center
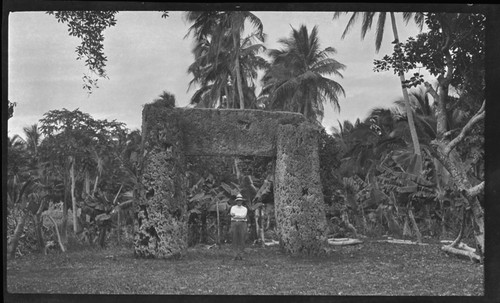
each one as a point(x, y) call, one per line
point(225, 132)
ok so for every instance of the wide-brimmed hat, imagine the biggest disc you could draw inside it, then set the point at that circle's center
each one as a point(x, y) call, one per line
point(239, 197)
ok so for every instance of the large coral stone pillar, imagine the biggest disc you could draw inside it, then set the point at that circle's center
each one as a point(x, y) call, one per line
point(299, 205)
point(162, 209)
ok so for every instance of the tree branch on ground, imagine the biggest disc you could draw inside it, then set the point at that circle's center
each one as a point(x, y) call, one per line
point(476, 190)
point(461, 252)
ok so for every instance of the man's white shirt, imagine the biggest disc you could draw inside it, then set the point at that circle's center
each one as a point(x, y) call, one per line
point(240, 212)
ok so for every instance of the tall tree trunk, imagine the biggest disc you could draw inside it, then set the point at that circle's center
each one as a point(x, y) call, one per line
point(119, 226)
point(38, 225)
point(73, 198)
point(257, 224)
point(261, 225)
point(12, 246)
point(462, 228)
point(204, 232)
point(95, 185)
point(444, 150)
point(228, 98)
point(119, 210)
point(454, 165)
point(87, 182)
point(237, 69)
point(233, 95)
point(409, 111)
point(59, 238)
point(38, 231)
point(64, 223)
point(218, 221)
point(414, 224)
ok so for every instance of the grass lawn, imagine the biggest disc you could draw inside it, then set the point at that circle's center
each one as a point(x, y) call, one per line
point(371, 268)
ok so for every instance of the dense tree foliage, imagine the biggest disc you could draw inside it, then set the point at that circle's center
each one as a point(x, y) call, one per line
point(373, 179)
point(449, 131)
point(10, 109)
point(225, 63)
point(367, 23)
point(60, 159)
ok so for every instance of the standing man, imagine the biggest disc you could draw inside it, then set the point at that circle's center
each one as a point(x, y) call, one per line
point(239, 226)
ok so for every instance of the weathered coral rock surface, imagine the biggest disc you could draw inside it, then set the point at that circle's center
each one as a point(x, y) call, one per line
point(171, 134)
point(298, 196)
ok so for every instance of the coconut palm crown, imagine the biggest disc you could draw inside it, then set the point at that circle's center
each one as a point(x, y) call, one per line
point(297, 79)
point(221, 57)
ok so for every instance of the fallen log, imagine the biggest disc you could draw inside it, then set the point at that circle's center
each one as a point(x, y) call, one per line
point(344, 241)
point(465, 252)
point(397, 241)
point(271, 243)
point(466, 247)
point(460, 245)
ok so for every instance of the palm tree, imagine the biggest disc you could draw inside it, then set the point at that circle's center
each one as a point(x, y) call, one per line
point(218, 53)
point(250, 63)
point(296, 80)
point(236, 22)
point(33, 138)
point(216, 80)
point(15, 143)
point(16, 148)
point(166, 99)
point(212, 71)
point(213, 78)
point(367, 23)
point(341, 135)
point(423, 113)
point(16, 166)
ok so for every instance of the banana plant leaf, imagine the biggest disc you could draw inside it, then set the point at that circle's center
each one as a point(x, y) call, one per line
point(194, 210)
point(102, 217)
point(223, 206)
point(199, 197)
point(408, 189)
point(230, 190)
point(256, 206)
point(408, 161)
point(377, 195)
point(369, 203)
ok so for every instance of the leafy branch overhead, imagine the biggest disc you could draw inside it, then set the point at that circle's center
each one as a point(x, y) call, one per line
point(400, 61)
point(463, 49)
point(89, 27)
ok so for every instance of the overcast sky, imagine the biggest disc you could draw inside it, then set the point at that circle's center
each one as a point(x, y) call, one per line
point(148, 54)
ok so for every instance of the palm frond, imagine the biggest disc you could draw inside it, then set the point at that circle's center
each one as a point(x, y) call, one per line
point(350, 23)
point(366, 23)
point(328, 66)
point(324, 54)
point(379, 33)
point(418, 17)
